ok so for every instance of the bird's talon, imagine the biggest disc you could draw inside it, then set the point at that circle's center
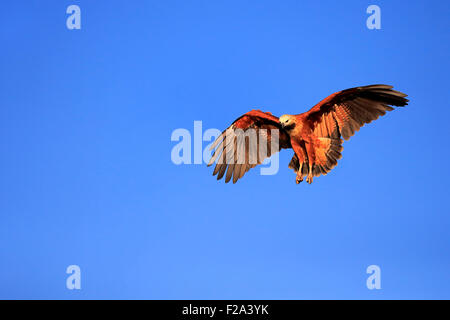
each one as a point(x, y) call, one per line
point(299, 178)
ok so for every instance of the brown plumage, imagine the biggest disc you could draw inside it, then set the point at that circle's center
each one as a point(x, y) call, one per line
point(315, 136)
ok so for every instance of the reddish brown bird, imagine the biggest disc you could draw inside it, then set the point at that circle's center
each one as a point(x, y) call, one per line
point(315, 136)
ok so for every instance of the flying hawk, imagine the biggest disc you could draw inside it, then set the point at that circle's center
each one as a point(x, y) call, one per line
point(315, 136)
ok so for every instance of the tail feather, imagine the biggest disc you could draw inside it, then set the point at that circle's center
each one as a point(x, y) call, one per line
point(328, 152)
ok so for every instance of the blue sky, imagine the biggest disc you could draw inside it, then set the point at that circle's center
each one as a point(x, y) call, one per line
point(87, 178)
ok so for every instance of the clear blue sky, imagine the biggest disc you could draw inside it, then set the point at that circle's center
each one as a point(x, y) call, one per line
point(87, 179)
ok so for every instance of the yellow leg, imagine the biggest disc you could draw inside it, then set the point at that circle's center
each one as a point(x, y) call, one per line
point(299, 177)
point(310, 154)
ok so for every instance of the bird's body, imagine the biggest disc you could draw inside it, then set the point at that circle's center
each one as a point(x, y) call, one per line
point(315, 136)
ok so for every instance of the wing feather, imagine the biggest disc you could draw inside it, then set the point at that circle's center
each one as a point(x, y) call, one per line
point(234, 149)
point(352, 108)
point(340, 115)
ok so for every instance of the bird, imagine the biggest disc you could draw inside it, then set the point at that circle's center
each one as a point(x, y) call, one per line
point(316, 136)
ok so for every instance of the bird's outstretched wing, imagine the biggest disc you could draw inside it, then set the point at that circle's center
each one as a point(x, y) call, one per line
point(249, 140)
point(340, 115)
point(344, 112)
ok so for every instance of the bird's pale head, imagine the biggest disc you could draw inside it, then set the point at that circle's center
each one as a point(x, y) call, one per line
point(287, 121)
